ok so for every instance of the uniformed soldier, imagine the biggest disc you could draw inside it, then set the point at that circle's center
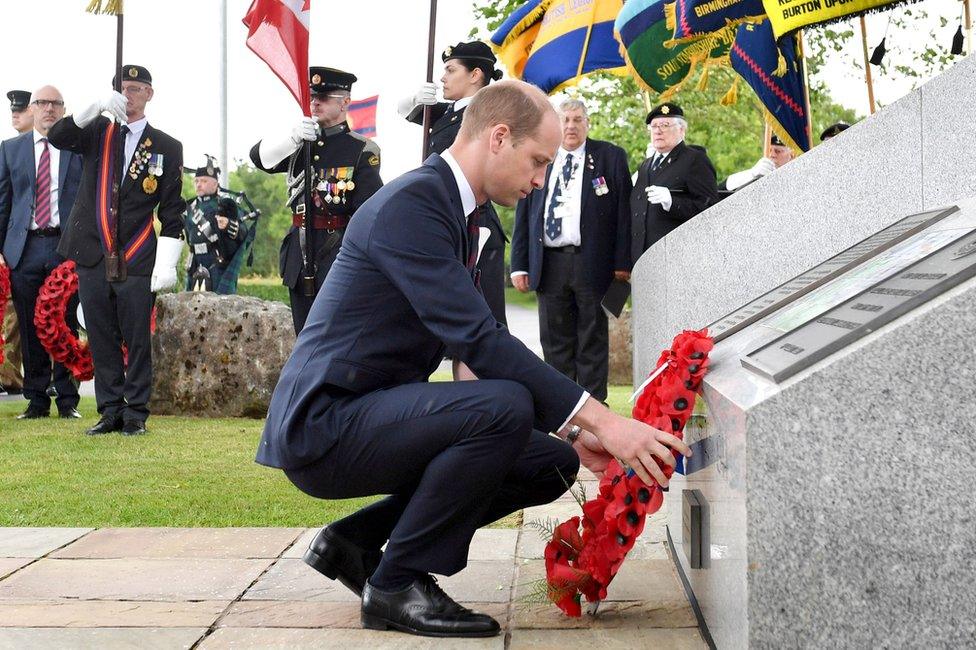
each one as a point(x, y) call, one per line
point(834, 130)
point(214, 230)
point(11, 376)
point(468, 67)
point(779, 155)
point(346, 172)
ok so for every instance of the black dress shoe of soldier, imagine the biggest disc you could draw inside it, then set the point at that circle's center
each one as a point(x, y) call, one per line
point(107, 424)
point(337, 558)
point(423, 608)
point(34, 412)
point(133, 428)
point(69, 413)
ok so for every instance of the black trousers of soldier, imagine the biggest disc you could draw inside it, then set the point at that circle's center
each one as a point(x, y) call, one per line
point(572, 325)
point(117, 313)
point(327, 247)
point(39, 258)
point(453, 456)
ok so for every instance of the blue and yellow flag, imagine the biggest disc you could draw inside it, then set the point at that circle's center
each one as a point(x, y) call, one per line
point(553, 43)
point(642, 30)
point(692, 20)
point(775, 72)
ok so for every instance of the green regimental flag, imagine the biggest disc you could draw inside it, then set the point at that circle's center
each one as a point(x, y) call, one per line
point(642, 30)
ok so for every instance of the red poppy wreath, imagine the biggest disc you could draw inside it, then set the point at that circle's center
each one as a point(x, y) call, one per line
point(582, 562)
point(52, 327)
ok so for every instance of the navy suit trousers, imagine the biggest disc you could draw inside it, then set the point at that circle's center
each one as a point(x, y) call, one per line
point(453, 456)
point(39, 258)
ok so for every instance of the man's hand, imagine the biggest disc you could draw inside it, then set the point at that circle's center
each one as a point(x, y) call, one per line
point(659, 196)
point(623, 276)
point(222, 222)
point(632, 442)
point(307, 130)
point(591, 453)
point(521, 282)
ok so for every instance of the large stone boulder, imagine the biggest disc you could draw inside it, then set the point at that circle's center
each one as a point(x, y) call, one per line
point(218, 356)
point(621, 357)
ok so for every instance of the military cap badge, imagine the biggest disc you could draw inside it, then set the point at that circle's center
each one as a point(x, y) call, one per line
point(665, 109)
point(133, 72)
point(316, 79)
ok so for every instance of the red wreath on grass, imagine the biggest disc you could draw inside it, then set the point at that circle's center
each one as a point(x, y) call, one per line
point(581, 564)
point(4, 297)
point(52, 327)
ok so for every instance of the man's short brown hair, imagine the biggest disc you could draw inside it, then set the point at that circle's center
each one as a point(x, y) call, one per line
point(516, 104)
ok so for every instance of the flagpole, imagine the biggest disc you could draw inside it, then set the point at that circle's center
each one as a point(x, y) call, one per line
point(867, 63)
point(431, 34)
point(115, 261)
point(222, 101)
point(806, 87)
point(969, 27)
point(586, 43)
point(767, 136)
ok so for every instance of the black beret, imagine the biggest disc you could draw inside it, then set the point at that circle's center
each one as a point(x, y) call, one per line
point(834, 129)
point(474, 50)
point(135, 73)
point(667, 109)
point(210, 170)
point(322, 80)
point(19, 99)
point(775, 141)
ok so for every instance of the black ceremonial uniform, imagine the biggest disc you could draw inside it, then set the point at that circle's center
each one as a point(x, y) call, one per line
point(445, 124)
point(339, 157)
point(212, 248)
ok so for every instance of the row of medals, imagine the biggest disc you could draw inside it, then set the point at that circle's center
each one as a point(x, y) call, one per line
point(334, 191)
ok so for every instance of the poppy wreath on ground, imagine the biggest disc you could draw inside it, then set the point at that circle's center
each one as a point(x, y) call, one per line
point(52, 327)
point(4, 297)
point(584, 553)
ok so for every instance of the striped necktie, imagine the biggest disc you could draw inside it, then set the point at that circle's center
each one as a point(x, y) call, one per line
point(42, 188)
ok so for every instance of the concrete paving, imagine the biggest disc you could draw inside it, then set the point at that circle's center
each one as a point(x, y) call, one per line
point(248, 588)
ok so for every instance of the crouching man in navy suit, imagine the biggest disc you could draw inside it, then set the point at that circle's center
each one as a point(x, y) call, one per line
point(354, 414)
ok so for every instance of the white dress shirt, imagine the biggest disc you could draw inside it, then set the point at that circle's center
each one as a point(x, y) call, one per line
point(461, 103)
point(132, 139)
point(572, 196)
point(55, 167)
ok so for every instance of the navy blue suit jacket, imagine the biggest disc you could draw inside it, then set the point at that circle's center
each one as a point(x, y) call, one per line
point(18, 178)
point(397, 297)
point(604, 220)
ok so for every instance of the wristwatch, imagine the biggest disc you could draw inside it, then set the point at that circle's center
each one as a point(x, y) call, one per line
point(574, 433)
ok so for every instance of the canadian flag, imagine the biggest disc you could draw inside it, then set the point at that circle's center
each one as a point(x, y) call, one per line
point(277, 31)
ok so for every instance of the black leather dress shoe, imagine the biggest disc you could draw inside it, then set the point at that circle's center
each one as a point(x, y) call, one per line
point(34, 412)
point(133, 428)
point(70, 413)
point(423, 608)
point(107, 424)
point(337, 558)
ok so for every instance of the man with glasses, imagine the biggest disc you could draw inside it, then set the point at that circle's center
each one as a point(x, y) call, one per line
point(345, 169)
point(673, 185)
point(38, 185)
point(117, 300)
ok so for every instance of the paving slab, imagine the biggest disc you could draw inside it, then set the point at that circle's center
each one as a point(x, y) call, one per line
point(616, 615)
point(288, 639)
point(333, 615)
point(181, 543)
point(295, 580)
point(10, 564)
point(133, 579)
point(109, 613)
point(102, 638)
point(671, 638)
point(297, 550)
point(481, 582)
point(488, 544)
point(652, 581)
point(36, 542)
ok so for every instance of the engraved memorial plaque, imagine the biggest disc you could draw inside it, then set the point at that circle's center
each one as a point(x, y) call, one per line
point(826, 271)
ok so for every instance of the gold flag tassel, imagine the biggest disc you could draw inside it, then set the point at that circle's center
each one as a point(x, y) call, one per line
point(110, 7)
point(670, 17)
point(781, 68)
point(703, 79)
point(732, 96)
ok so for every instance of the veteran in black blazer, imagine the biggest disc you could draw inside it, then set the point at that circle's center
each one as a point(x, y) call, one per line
point(673, 185)
point(151, 165)
point(38, 185)
point(468, 67)
point(571, 269)
point(354, 414)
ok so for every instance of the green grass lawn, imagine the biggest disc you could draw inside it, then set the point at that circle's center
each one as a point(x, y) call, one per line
point(185, 472)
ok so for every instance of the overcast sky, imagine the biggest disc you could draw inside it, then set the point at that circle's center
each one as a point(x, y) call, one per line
point(384, 42)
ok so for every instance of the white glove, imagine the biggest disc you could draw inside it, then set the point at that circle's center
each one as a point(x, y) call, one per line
point(659, 196)
point(115, 104)
point(168, 251)
point(274, 150)
point(426, 95)
point(763, 167)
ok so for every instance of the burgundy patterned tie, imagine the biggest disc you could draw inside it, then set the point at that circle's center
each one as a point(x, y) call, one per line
point(42, 189)
point(473, 235)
